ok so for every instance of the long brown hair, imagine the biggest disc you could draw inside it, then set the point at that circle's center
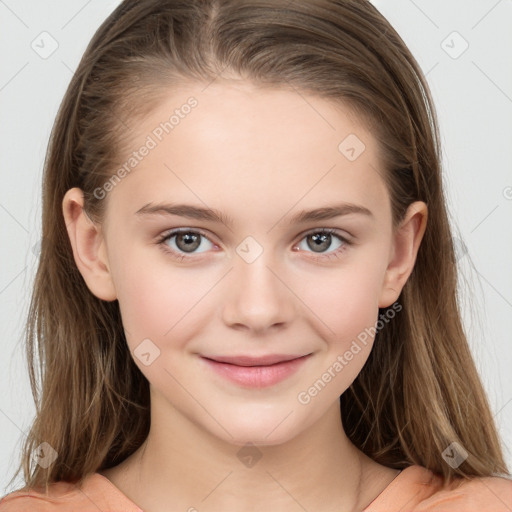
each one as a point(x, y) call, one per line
point(419, 390)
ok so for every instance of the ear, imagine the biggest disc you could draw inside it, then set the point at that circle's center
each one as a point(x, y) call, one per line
point(406, 242)
point(88, 245)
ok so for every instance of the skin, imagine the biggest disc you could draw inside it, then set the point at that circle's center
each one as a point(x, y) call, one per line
point(259, 156)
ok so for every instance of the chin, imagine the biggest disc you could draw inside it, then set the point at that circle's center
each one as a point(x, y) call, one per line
point(260, 430)
point(258, 438)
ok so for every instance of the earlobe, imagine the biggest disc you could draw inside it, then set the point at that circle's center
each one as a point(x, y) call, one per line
point(88, 246)
point(406, 242)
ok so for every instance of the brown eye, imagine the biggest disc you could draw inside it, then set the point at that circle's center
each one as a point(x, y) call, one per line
point(188, 242)
point(185, 241)
point(318, 242)
point(321, 241)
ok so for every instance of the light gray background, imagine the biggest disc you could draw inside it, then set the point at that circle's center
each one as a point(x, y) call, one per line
point(473, 96)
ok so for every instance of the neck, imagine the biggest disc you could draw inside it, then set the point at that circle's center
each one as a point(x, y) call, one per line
point(181, 464)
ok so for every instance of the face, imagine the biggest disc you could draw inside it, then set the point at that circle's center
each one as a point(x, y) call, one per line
point(250, 323)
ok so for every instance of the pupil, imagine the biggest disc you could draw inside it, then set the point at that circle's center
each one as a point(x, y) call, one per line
point(191, 241)
point(320, 241)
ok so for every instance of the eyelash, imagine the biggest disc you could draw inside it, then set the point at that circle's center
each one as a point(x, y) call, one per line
point(162, 239)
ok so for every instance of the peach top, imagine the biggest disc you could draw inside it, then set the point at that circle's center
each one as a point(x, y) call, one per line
point(414, 489)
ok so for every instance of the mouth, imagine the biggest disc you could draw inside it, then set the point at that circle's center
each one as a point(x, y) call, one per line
point(245, 360)
point(256, 372)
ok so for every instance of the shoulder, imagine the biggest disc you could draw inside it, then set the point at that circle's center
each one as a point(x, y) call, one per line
point(38, 500)
point(417, 489)
point(95, 493)
point(479, 494)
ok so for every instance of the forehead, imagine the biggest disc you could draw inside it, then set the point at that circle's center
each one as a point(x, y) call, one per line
point(248, 148)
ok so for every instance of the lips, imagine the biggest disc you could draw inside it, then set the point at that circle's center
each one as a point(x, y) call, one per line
point(246, 360)
point(255, 372)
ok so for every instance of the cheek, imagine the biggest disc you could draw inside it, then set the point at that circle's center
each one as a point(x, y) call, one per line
point(345, 299)
point(152, 298)
point(345, 307)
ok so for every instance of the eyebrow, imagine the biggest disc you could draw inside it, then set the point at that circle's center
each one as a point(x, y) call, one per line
point(209, 214)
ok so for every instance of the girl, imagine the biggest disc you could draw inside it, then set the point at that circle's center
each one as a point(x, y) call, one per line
point(246, 297)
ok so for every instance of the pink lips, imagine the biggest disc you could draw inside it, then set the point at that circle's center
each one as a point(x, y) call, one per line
point(256, 372)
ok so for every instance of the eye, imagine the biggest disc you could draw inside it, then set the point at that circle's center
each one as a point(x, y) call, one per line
point(183, 241)
point(321, 239)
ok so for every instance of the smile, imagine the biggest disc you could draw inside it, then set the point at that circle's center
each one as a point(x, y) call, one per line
point(255, 372)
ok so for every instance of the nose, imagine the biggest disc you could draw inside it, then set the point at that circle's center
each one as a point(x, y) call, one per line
point(256, 296)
